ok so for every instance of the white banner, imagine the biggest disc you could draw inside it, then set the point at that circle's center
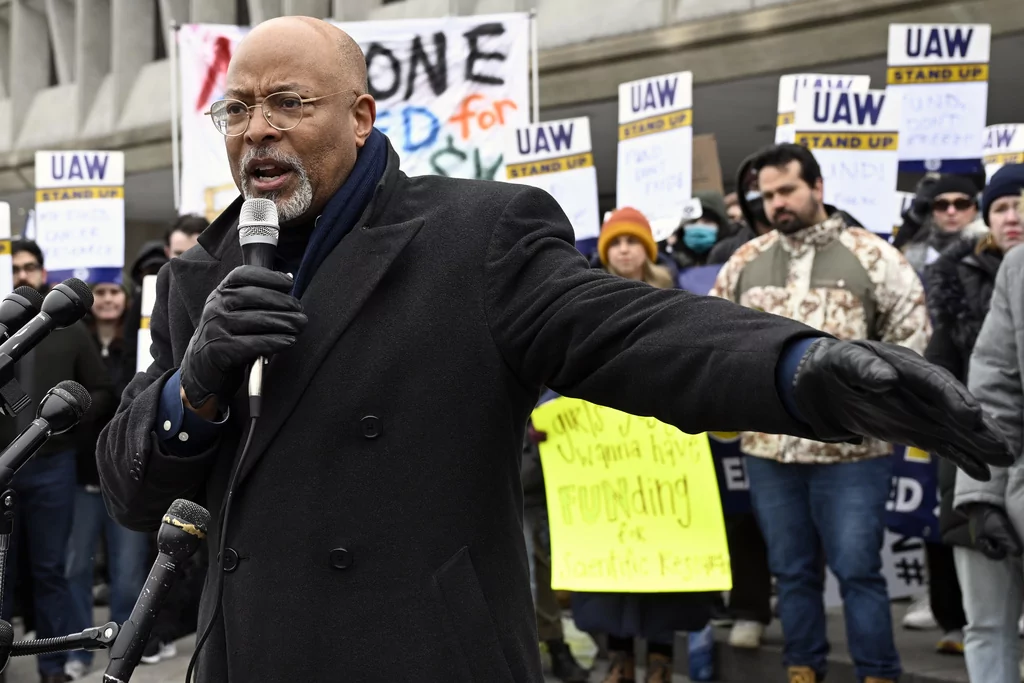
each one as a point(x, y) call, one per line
point(556, 156)
point(79, 217)
point(6, 274)
point(853, 137)
point(447, 91)
point(1004, 144)
point(790, 87)
point(143, 357)
point(655, 153)
point(940, 74)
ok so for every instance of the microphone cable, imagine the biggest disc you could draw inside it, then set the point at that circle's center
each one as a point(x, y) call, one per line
point(225, 511)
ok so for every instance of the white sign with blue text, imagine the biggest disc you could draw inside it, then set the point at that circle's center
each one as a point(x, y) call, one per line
point(790, 87)
point(939, 72)
point(557, 157)
point(655, 151)
point(853, 137)
point(79, 218)
point(1004, 144)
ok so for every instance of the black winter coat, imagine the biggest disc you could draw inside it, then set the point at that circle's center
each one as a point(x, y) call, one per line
point(376, 532)
point(960, 284)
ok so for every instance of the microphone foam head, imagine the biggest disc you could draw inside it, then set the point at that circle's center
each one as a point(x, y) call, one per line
point(6, 637)
point(30, 294)
point(80, 288)
point(184, 527)
point(75, 394)
point(68, 302)
point(190, 513)
point(257, 222)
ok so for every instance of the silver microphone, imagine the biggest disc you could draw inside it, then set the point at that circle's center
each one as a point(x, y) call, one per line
point(258, 232)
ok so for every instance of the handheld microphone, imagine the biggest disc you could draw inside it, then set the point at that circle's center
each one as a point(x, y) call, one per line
point(17, 308)
point(183, 529)
point(60, 410)
point(258, 232)
point(65, 305)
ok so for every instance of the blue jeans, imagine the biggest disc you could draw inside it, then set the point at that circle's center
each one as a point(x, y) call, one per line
point(127, 552)
point(803, 509)
point(46, 501)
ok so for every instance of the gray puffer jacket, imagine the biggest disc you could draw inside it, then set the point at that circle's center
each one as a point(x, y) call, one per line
point(995, 379)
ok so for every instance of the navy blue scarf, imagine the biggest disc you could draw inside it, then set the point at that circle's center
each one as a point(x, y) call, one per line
point(344, 208)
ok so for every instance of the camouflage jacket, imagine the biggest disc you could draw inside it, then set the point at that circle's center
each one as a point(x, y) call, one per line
point(844, 281)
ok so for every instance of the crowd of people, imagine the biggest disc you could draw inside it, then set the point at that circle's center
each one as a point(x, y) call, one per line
point(67, 554)
point(777, 246)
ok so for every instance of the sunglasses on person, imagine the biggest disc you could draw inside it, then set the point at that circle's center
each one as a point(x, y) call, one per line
point(942, 205)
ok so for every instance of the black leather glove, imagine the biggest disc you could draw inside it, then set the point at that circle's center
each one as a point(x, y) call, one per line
point(250, 314)
point(865, 388)
point(991, 531)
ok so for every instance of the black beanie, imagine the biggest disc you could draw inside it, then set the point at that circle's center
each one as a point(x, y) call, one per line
point(955, 183)
point(1006, 182)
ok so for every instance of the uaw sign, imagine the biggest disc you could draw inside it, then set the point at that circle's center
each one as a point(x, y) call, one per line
point(1004, 144)
point(853, 136)
point(792, 85)
point(556, 157)
point(655, 154)
point(79, 218)
point(939, 72)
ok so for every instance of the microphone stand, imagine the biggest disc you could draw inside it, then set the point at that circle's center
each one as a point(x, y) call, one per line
point(95, 638)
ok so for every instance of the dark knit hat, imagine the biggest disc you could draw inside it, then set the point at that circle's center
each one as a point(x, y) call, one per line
point(955, 183)
point(1006, 182)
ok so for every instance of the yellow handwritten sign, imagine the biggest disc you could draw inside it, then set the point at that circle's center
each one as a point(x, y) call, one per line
point(633, 503)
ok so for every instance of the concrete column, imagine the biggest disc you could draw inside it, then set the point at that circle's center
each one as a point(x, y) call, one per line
point(354, 10)
point(321, 9)
point(213, 12)
point(131, 48)
point(5, 58)
point(261, 10)
point(93, 52)
point(61, 19)
point(173, 10)
point(30, 59)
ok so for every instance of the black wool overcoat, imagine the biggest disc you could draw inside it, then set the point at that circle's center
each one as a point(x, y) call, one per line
point(376, 531)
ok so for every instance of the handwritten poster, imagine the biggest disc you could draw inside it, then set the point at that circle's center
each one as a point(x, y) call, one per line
point(633, 503)
point(143, 357)
point(655, 152)
point(1004, 144)
point(6, 274)
point(939, 72)
point(853, 137)
point(79, 217)
point(790, 87)
point(556, 157)
point(447, 91)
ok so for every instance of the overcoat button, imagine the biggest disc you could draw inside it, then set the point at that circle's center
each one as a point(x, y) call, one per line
point(230, 562)
point(341, 558)
point(372, 427)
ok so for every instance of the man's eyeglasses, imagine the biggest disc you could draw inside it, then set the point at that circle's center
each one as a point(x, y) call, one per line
point(942, 205)
point(282, 110)
point(28, 268)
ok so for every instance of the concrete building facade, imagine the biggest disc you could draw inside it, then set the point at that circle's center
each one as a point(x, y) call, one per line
point(87, 74)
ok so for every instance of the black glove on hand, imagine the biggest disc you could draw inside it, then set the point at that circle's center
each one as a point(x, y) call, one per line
point(883, 391)
point(991, 531)
point(250, 314)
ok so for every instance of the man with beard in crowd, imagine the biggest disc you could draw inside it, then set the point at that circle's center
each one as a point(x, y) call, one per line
point(376, 515)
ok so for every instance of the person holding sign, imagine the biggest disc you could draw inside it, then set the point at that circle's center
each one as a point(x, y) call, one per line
point(806, 494)
point(379, 490)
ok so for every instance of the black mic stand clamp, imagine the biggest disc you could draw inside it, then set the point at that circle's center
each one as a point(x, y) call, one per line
point(13, 398)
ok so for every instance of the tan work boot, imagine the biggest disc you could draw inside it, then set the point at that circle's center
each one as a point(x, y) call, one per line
point(659, 669)
point(875, 679)
point(623, 668)
point(802, 674)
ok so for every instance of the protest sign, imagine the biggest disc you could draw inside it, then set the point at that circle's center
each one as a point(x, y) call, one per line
point(707, 168)
point(632, 503)
point(79, 217)
point(1004, 144)
point(143, 357)
point(556, 157)
point(6, 274)
point(655, 152)
point(446, 89)
point(853, 137)
point(939, 72)
point(790, 87)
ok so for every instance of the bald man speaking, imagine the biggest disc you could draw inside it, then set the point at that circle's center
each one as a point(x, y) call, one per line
point(375, 530)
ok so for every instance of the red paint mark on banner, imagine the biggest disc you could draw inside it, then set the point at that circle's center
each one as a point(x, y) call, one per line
point(217, 68)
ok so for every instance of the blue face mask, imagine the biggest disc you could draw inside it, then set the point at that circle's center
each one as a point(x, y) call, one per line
point(700, 238)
